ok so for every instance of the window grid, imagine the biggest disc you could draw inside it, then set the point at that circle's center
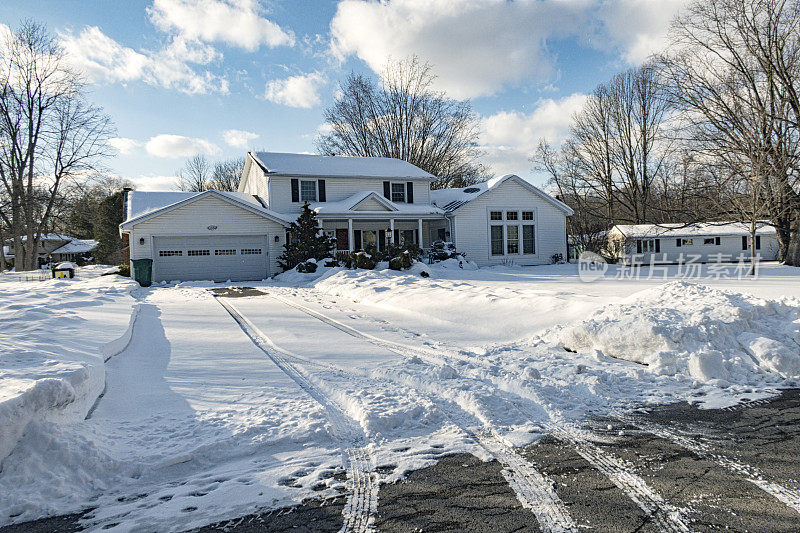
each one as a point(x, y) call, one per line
point(399, 192)
point(224, 252)
point(251, 251)
point(170, 253)
point(509, 237)
point(198, 252)
point(308, 191)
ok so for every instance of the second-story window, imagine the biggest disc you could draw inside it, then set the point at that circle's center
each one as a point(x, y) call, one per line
point(308, 191)
point(399, 192)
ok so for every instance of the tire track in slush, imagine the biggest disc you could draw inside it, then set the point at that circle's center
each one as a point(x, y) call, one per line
point(667, 517)
point(533, 489)
point(787, 496)
point(362, 480)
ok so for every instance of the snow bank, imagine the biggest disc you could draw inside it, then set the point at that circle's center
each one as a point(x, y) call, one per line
point(707, 334)
point(51, 349)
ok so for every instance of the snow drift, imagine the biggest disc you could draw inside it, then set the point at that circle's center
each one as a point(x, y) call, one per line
point(707, 334)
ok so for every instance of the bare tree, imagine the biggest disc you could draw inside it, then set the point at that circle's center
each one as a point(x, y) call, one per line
point(733, 68)
point(49, 133)
point(403, 117)
point(195, 174)
point(226, 174)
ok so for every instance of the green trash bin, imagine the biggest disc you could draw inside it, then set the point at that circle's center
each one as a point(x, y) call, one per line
point(143, 271)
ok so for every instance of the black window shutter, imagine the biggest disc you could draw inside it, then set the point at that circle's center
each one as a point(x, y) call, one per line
point(410, 192)
point(758, 242)
point(357, 238)
point(638, 247)
point(295, 190)
point(744, 243)
point(658, 246)
point(321, 190)
point(396, 236)
point(381, 240)
point(387, 190)
point(717, 241)
point(678, 243)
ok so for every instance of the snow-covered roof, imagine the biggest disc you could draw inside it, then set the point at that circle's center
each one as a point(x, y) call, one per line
point(77, 246)
point(452, 199)
point(338, 166)
point(711, 229)
point(349, 205)
point(241, 199)
point(47, 237)
point(142, 202)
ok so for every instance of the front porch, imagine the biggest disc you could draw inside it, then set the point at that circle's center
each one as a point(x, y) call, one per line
point(356, 234)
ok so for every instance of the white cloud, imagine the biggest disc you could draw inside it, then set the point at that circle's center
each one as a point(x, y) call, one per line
point(235, 22)
point(124, 145)
point(296, 91)
point(639, 27)
point(176, 146)
point(238, 138)
point(509, 139)
point(154, 182)
point(102, 58)
point(478, 47)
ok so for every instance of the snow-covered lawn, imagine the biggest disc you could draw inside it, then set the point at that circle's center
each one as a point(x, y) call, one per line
point(213, 411)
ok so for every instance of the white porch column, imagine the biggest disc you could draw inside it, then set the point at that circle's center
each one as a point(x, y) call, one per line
point(350, 236)
point(419, 232)
point(391, 231)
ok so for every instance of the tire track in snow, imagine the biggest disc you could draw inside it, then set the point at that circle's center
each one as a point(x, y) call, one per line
point(667, 516)
point(362, 482)
point(787, 496)
point(533, 489)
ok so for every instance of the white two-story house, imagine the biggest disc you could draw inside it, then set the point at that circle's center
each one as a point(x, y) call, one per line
point(359, 201)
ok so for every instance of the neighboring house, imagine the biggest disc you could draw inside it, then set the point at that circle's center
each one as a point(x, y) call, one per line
point(702, 242)
point(56, 247)
point(359, 201)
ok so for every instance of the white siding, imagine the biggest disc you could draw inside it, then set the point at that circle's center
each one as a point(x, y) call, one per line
point(370, 204)
point(471, 226)
point(256, 183)
point(336, 189)
point(730, 248)
point(193, 220)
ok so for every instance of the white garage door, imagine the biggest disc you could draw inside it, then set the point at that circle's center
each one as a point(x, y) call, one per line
point(218, 258)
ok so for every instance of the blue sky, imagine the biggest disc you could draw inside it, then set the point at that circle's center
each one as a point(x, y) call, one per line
point(220, 77)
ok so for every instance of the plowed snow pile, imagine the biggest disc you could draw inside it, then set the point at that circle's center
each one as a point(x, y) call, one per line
point(708, 334)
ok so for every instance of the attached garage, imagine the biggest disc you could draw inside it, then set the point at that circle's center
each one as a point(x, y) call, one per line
point(213, 235)
point(217, 258)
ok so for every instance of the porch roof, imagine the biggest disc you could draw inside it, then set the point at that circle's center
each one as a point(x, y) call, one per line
point(363, 205)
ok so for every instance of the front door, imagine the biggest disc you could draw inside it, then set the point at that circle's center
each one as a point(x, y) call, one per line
point(342, 239)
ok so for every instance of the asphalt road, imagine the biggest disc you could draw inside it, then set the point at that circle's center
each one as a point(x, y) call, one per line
point(709, 475)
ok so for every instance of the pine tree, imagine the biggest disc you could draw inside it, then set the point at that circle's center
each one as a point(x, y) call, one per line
point(306, 241)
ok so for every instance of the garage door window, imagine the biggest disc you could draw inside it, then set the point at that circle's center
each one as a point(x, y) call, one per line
point(224, 252)
point(191, 253)
point(169, 253)
point(251, 251)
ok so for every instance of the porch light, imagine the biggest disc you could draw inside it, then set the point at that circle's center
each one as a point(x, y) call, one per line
point(141, 240)
point(277, 238)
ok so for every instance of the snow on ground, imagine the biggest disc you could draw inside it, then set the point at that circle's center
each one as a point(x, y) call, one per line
point(199, 424)
point(52, 335)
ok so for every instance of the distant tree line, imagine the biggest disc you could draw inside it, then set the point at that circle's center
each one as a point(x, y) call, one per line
point(707, 130)
point(51, 136)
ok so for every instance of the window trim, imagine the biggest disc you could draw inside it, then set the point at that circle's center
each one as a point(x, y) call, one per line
point(401, 186)
point(519, 223)
point(314, 189)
